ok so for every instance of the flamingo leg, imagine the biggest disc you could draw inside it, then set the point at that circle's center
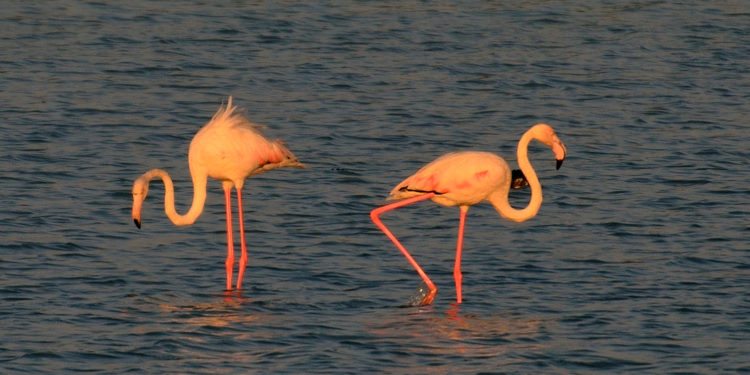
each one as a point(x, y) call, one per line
point(375, 216)
point(230, 243)
point(243, 245)
point(457, 276)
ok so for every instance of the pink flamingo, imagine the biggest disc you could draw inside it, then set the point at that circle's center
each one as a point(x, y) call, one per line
point(228, 148)
point(464, 179)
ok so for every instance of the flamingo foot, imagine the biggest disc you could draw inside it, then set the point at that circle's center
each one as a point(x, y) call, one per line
point(425, 296)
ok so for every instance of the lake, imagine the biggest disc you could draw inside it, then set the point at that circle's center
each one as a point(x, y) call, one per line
point(637, 262)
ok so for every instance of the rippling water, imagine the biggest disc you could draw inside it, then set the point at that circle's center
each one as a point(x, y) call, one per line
point(637, 262)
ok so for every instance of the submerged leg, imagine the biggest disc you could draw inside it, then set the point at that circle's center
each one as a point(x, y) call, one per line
point(375, 216)
point(457, 276)
point(230, 243)
point(243, 245)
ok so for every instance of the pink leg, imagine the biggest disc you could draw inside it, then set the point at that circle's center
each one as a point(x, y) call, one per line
point(457, 276)
point(230, 243)
point(243, 245)
point(375, 216)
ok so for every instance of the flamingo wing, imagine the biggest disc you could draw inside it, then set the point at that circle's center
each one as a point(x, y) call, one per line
point(459, 178)
point(231, 147)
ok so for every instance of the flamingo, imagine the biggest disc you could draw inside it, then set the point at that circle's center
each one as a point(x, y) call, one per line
point(229, 148)
point(467, 178)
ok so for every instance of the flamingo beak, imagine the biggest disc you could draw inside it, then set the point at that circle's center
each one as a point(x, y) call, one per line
point(137, 212)
point(558, 148)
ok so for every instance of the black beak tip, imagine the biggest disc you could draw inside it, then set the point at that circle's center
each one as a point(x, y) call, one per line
point(137, 223)
point(559, 163)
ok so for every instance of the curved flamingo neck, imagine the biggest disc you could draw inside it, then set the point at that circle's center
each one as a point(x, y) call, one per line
point(499, 199)
point(199, 196)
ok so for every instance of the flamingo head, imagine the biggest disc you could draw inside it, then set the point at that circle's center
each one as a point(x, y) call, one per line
point(140, 190)
point(545, 134)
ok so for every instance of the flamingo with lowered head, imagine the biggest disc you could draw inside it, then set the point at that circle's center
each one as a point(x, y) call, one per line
point(229, 148)
point(464, 179)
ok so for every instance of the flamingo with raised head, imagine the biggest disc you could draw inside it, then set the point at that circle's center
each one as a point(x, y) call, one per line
point(229, 148)
point(464, 179)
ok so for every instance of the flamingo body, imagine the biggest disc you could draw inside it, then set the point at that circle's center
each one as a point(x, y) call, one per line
point(467, 178)
point(229, 148)
point(457, 179)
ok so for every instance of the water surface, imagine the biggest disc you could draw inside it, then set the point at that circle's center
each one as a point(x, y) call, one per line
point(637, 262)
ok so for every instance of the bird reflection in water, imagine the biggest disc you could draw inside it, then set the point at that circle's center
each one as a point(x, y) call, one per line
point(432, 332)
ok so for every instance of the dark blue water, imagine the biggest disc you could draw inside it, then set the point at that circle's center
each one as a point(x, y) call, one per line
point(637, 262)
